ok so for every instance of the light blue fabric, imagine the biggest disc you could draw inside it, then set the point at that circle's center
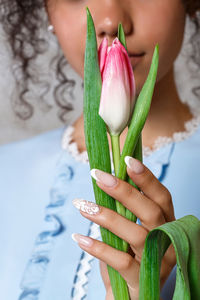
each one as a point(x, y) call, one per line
point(38, 181)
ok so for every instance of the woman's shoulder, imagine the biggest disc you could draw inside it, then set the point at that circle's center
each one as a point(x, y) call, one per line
point(30, 161)
point(188, 142)
point(48, 141)
point(27, 174)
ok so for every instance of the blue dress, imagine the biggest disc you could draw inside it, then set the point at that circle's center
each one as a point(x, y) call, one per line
point(38, 181)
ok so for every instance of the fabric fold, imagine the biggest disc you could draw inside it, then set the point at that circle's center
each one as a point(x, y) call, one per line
point(37, 265)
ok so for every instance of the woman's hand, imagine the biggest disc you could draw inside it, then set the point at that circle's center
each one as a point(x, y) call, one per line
point(153, 206)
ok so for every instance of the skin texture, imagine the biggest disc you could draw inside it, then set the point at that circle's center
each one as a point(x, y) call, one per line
point(145, 23)
point(154, 207)
point(139, 19)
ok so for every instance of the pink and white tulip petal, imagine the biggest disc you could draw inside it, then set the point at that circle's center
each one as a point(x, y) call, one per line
point(118, 87)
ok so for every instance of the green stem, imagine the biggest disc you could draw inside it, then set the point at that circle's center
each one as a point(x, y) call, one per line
point(115, 142)
point(116, 159)
point(115, 151)
point(138, 155)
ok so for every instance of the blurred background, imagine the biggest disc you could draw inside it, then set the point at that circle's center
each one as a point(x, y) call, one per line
point(45, 116)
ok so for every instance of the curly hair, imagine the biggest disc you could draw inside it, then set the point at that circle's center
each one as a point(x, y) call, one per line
point(22, 21)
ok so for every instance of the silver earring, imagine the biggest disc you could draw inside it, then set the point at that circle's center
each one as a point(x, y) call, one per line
point(51, 28)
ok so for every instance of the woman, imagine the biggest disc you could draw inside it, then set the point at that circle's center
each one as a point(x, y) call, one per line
point(53, 270)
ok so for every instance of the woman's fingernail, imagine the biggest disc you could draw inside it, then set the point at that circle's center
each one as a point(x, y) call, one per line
point(103, 177)
point(82, 240)
point(88, 207)
point(135, 165)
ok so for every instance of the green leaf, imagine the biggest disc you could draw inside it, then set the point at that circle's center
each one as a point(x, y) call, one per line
point(133, 143)
point(138, 155)
point(121, 36)
point(120, 208)
point(140, 114)
point(138, 148)
point(96, 140)
point(184, 234)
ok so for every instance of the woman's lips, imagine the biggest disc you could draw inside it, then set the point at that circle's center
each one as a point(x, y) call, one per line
point(135, 59)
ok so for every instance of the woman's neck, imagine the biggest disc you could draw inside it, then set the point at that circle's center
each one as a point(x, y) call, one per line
point(167, 115)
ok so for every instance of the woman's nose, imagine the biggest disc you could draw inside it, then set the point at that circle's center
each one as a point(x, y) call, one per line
point(107, 14)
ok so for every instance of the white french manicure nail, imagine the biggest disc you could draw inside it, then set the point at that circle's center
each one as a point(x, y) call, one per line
point(135, 165)
point(81, 239)
point(103, 177)
point(93, 174)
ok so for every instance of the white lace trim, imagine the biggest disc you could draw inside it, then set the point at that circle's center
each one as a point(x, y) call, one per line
point(72, 147)
point(190, 127)
point(80, 286)
point(161, 141)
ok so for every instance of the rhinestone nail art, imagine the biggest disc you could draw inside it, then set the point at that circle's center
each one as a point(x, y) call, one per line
point(90, 208)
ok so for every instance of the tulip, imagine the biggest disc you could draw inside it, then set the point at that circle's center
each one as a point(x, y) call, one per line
point(98, 148)
point(118, 86)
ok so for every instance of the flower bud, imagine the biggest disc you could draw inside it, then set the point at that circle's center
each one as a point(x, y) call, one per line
point(118, 86)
